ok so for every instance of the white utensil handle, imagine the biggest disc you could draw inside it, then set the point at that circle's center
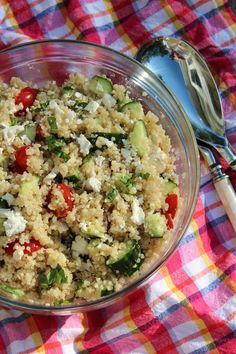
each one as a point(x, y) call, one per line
point(227, 195)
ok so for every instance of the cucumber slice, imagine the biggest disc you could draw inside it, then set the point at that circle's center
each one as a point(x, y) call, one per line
point(100, 85)
point(128, 260)
point(138, 137)
point(135, 108)
point(125, 100)
point(27, 186)
point(155, 225)
point(2, 228)
point(92, 231)
point(29, 131)
point(169, 187)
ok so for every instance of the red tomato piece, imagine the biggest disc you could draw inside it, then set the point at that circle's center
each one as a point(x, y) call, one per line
point(172, 201)
point(67, 194)
point(169, 221)
point(39, 133)
point(26, 96)
point(21, 158)
point(30, 247)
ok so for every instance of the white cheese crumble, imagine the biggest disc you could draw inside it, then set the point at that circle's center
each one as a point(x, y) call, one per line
point(99, 160)
point(92, 106)
point(126, 154)
point(137, 213)
point(94, 183)
point(9, 133)
point(14, 224)
point(108, 100)
point(79, 246)
point(9, 198)
point(84, 144)
point(50, 177)
point(70, 114)
point(78, 94)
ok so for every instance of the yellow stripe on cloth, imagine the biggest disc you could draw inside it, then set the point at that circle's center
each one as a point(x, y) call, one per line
point(203, 330)
point(123, 35)
point(36, 336)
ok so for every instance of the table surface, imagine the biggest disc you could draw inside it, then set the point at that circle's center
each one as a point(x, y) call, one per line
point(189, 306)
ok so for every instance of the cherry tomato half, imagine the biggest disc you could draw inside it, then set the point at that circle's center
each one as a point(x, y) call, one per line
point(169, 221)
point(67, 194)
point(21, 158)
point(172, 201)
point(26, 96)
point(30, 247)
point(39, 132)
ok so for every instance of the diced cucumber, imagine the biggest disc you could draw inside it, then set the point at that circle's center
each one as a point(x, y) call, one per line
point(128, 260)
point(68, 90)
point(138, 137)
point(27, 186)
point(135, 108)
point(155, 225)
point(75, 179)
point(92, 231)
point(125, 100)
point(2, 228)
point(100, 85)
point(29, 131)
point(169, 187)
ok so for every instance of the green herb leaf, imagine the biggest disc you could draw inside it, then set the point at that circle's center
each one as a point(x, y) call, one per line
point(105, 292)
point(78, 106)
point(55, 145)
point(14, 121)
point(41, 108)
point(63, 156)
point(111, 195)
point(61, 302)
point(79, 283)
point(86, 159)
point(55, 276)
point(11, 290)
point(53, 124)
point(143, 175)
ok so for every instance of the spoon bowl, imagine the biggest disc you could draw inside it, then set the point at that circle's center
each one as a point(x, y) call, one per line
point(184, 71)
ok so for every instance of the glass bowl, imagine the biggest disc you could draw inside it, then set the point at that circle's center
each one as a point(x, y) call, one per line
point(41, 61)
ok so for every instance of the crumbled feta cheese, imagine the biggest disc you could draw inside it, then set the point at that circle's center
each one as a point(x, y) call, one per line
point(9, 198)
point(78, 94)
point(137, 213)
point(94, 183)
point(99, 160)
point(70, 114)
point(83, 226)
point(53, 104)
point(14, 224)
point(9, 133)
point(108, 100)
point(79, 246)
point(50, 177)
point(92, 106)
point(126, 154)
point(84, 144)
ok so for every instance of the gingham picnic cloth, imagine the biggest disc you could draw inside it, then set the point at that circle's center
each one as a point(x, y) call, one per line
point(189, 306)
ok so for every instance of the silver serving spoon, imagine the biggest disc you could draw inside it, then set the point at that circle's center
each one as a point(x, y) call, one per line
point(186, 74)
point(184, 71)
